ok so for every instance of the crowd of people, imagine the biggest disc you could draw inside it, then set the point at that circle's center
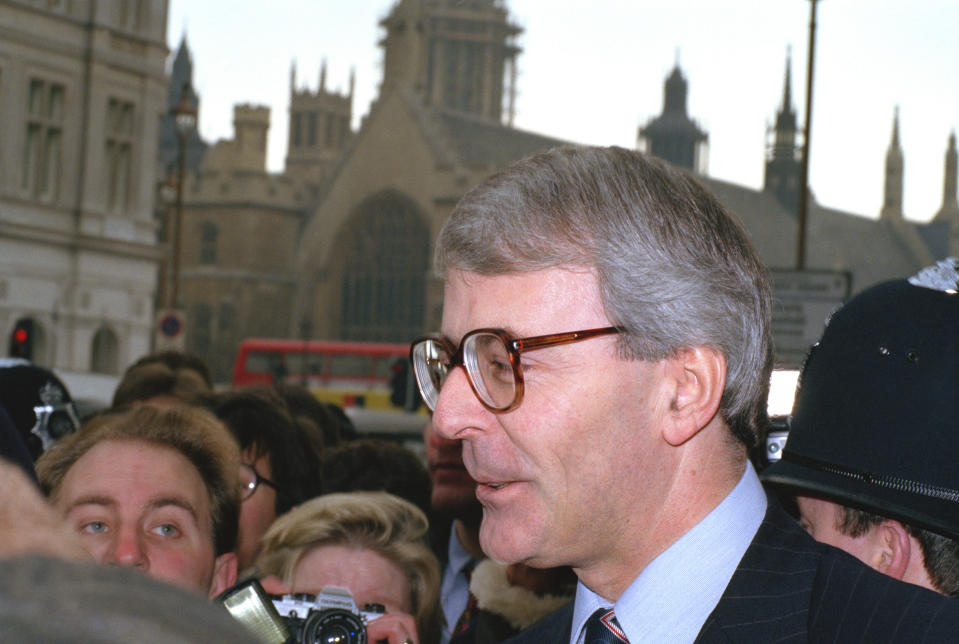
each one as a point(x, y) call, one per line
point(595, 390)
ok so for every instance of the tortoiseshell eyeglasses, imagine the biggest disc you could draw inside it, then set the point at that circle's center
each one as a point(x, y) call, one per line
point(491, 358)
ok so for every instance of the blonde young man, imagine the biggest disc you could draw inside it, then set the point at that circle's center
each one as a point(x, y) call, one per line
point(154, 489)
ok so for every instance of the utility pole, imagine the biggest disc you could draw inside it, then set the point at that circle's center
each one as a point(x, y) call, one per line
point(807, 133)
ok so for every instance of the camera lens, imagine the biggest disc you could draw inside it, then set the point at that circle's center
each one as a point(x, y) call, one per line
point(333, 626)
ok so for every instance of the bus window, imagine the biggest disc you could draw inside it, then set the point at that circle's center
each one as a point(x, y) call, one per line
point(346, 365)
point(345, 373)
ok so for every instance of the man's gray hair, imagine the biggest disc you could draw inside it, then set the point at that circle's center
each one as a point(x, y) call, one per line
point(676, 269)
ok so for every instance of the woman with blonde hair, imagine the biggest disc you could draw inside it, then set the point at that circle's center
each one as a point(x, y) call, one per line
point(372, 543)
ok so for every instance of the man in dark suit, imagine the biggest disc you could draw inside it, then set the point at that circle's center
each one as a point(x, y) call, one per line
point(612, 322)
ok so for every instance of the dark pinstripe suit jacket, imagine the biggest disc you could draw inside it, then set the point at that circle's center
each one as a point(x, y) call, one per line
point(789, 588)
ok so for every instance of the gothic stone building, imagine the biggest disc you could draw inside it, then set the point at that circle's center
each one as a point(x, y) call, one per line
point(339, 246)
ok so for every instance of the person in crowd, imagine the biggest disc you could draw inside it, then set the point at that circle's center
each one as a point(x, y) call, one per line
point(347, 430)
point(279, 467)
point(872, 448)
point(304, 406)
point(454, 525)
point(28, 525)
point(166, 378)
point(38, 404)
point(371, 465)
point(54, 600)
point(12, 447)
point(154, 489)
point(483, 601)
point(177, 361)
point(371, 543)
point(604, 358)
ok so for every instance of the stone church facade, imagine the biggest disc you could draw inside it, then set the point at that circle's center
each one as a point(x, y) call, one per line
point(339, 245)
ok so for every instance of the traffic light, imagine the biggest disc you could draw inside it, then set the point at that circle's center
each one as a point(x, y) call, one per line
point(398, 383)
point(21, 340)
point(402, 391)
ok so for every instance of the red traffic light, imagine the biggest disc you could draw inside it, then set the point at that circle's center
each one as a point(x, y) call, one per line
point(20, 335)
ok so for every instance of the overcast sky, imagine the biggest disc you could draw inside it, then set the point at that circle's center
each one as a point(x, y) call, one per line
point(592, 71)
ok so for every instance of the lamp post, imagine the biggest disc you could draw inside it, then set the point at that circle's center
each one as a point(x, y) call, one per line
point(167, 195)
point(169, 323)
point(184, 115)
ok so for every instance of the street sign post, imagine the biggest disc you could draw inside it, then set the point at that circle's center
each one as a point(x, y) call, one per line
point(170, 330)
point(803, 300)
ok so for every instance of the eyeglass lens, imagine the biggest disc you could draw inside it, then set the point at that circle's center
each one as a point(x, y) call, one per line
point(248, 481)
point(487, 363)
point(430, 365)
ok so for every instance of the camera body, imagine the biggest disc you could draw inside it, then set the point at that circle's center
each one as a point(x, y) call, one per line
point(315, 618)
point(300, 618)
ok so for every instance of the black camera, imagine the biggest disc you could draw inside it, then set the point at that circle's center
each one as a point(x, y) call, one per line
point(300, 618)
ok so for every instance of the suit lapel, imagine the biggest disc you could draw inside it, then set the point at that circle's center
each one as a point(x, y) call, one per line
point(768, 596)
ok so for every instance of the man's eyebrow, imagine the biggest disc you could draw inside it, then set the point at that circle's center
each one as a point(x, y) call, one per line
point(175, 501)
point(91, 499)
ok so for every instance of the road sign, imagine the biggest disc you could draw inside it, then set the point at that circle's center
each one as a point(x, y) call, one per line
point(802, 303)
point(170, 330)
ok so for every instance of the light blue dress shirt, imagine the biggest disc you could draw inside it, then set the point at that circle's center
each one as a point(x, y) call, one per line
point(672, 598)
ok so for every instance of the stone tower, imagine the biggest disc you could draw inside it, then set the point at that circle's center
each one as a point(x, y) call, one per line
point(250, 125)
point(319, 127)
point(892, 195)
point(672, 135)
point(783, 154)
point(455, 54)
point(949, 212)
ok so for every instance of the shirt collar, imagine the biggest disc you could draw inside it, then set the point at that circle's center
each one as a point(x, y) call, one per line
point(458, 557)
point(672, 597)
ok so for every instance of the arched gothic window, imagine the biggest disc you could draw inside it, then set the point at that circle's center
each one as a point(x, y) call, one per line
point(386, 256)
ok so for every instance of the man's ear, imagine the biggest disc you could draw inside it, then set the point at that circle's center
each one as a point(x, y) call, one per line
point(894, 549)
point(698, 377)
point(224, 573)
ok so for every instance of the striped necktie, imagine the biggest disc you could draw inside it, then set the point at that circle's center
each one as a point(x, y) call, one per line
point(466, 618)
point(602, 628)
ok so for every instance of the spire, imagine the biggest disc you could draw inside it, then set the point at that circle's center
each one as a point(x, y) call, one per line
point(181, 74)
point(892, 202)
point(674, 93)
point(183, 62)
point(292, 76)
point(894, 144)
point(672, 135)
point(323, 75)
point(787, 103)
point(783, 155)
point(352, 82)
point(950, 205)
point(786, 128)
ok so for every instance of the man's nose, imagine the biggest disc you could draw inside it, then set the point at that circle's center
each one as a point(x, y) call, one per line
point(127, 549)
point(458, 410)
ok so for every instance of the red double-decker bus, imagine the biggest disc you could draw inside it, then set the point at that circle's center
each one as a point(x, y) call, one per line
point(350, 374)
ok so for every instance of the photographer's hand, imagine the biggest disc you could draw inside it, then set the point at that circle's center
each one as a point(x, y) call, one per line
point(394, 628)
